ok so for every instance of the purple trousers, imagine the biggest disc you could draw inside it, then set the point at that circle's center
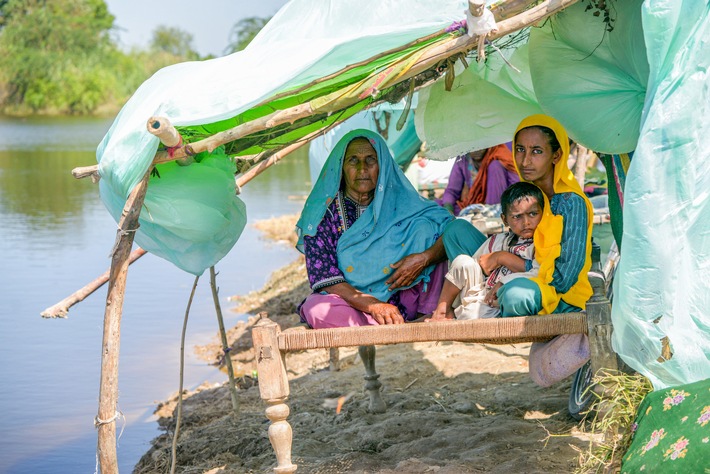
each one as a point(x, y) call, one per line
point(331, 311)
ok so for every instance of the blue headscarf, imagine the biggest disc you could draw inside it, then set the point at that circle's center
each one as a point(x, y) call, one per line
point(397, 223)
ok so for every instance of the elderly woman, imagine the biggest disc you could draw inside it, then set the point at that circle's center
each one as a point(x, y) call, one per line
point(361, 218)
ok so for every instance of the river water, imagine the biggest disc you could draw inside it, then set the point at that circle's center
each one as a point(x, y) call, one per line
point(55, 237)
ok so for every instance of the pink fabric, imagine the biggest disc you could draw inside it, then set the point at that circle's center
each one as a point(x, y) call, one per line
point(331, 311)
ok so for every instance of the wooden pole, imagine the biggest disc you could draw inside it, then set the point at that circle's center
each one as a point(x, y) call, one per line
point(225, 343)
point(61, 309)
point(108, 390)
point(501, 11)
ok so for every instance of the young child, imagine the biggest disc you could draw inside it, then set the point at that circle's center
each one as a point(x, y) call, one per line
point(475, 280)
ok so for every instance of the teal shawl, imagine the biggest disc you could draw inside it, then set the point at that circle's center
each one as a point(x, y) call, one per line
point(397, 223)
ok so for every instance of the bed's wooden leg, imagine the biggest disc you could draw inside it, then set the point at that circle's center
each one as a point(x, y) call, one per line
point(372, 385)
point(274, 390)
point(599, 328)
point(334, 359)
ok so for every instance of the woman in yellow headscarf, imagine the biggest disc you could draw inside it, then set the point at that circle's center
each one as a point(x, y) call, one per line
point(563, 238)
point(562, 247)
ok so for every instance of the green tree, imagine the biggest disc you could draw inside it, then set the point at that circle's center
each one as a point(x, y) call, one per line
point(57, 56)
point(173, 41)
point(243, 32)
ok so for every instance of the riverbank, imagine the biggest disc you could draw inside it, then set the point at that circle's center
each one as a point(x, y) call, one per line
point(452, 407)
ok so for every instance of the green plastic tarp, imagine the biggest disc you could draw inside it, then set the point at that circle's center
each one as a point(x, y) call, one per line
point(304, 41)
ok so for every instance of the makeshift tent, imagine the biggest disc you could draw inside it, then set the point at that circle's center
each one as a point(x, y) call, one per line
point(633, 78)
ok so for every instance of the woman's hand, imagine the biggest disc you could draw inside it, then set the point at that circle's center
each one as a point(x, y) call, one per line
point(443, 312)
point(410, 267)
point(407, 270)
point(385, 313)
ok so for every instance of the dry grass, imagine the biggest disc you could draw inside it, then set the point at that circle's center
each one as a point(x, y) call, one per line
point(618, 398)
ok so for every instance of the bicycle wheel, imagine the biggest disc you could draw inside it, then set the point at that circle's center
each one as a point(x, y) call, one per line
point(581, 396)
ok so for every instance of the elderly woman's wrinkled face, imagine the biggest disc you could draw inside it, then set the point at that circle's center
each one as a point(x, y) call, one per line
point(534, 156)
point(360, 170)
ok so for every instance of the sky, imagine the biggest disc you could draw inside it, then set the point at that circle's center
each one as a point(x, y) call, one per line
point(209, 21)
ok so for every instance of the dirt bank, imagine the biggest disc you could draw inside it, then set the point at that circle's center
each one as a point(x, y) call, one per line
point(452, 407)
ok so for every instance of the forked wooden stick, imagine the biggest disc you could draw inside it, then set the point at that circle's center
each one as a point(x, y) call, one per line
point(108, 389)
point(61, 309)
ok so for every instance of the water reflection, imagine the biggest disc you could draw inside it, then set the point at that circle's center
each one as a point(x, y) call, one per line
point(39, 185)
point(55, 236)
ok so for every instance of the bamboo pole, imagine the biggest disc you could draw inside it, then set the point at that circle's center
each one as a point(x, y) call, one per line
point(463, 44)
point(108, 390)
point(225, 343)
point(501, 11)
point(164, 130)
point(61, 309)
point(259, 168)
point(507, 9)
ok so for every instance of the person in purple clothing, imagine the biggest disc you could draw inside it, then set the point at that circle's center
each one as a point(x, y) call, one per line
point(494, 171)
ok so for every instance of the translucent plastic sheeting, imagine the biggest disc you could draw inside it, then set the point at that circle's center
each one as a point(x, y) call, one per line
point(191, 210)
point(662, 292)
point(485, 104)
point(403, 143)
point(305, 40)
point(592, 80)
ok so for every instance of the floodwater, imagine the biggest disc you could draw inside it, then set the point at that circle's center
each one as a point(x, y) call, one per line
point(55, 237)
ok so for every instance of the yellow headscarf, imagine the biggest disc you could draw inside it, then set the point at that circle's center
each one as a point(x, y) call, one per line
point(548, 234)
